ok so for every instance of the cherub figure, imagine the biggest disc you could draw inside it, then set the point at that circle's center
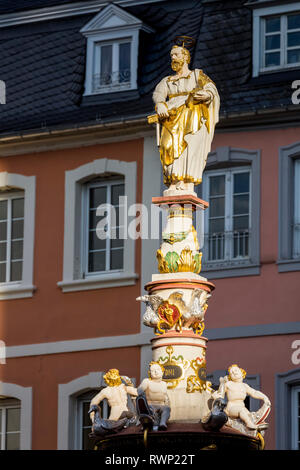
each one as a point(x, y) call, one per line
point(116, 394)
point(153, 403)
point(236, 391)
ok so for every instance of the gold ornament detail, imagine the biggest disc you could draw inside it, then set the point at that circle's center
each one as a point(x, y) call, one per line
point(180, 212)
point(174, 263)
point(170, 316)
point(174, 367)
point(262, 441)
point(172, 238)
point(198, 383)
point(199, 328)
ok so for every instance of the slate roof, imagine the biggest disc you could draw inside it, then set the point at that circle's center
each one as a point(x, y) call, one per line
point(43, 64)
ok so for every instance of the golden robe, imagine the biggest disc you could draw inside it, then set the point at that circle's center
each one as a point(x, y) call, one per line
point(188, 131)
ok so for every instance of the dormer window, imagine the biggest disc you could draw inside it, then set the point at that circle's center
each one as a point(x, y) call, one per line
point(276, 38)
point(112, 51)
point(112, 66)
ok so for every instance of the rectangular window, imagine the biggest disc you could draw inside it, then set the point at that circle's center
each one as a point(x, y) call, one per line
point(280, 41)
point(104, 254)
point(84, 423)
point(11, 237)
point(9, 428)
point(295, 418)
point(228, 217)
point(296, 224)
point(112, 66)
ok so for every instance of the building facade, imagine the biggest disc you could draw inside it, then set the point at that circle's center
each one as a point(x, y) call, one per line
point(76, 88)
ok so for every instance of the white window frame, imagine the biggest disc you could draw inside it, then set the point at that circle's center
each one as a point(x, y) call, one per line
point(25, 287)
point(3, 424)
point(115, 85)
point(229, 176)
point(79, 420)
point(24, 394)
point(296, 218)
point(259, 16)
point(85, 238)
point(112, 25)
point(68, 394)
point(73, 279)
point(295, 418)
point(9, 196)
point(288, 207)
point(225, 157)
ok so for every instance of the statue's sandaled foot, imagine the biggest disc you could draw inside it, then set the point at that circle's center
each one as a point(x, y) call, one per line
point(180, 186)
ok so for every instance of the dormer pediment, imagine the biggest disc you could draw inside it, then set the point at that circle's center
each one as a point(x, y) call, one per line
point(112, 18)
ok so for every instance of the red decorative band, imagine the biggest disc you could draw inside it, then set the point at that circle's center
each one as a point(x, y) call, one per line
point(180, 344)
point(159, 285)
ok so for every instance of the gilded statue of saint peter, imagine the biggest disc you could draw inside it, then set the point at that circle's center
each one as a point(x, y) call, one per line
point(187, 105)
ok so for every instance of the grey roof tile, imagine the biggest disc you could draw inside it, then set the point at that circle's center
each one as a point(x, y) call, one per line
point(43, 64)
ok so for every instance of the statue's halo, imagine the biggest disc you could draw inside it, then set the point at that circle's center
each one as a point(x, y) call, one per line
point(184, 41)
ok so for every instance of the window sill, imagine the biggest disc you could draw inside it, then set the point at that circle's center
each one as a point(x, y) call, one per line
point(16, 291)
point(288, 265)
point(99, 282)
point(223, 271)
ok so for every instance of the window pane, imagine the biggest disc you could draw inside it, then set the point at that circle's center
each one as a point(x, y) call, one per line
point(95, 243)
point(97, 261)
point(296, 221)
point(3, 251)
point(216, 225)
point(116, 191)
point(216, 246)
point(217, 207)
point(18, 208)
point(3, 210)
point(294, 21)
point(17, 229)
point(94, 219)
point(3, 230)
point(13, 441)
point(87, 443)
point(294, 39)
point(2, 272)
point(294, 56)
point(85, 416)
point(116, 260)
point(97, 196)
point(12, 419)
point(272, 59)
point(16, 270)
point(241, 183)
point(117, 243)
point(240, 244)
point(272, 24)
point(241, 204)
point(217, 185)
point(17, 249)
point(273, 42)
point(124, 62)
point(240, 223)
point(106, 64)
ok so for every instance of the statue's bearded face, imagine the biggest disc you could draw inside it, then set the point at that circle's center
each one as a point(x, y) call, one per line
point(178, 58)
